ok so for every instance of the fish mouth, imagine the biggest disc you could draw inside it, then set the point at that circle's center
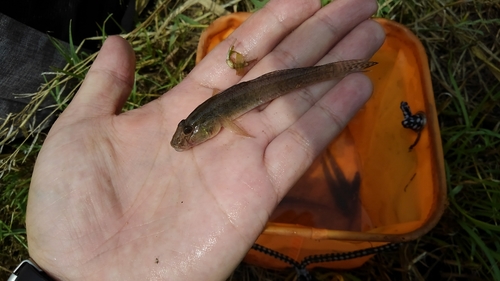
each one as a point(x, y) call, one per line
point(182, 148)
point(181, 144)
point(178, 148)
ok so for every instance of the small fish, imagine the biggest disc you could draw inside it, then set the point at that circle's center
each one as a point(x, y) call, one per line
point(221, 110)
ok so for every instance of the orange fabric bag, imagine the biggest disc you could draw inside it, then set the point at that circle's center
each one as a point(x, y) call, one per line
point(367, 188)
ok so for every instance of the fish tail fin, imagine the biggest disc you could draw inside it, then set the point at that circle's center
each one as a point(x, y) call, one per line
point(349, 66)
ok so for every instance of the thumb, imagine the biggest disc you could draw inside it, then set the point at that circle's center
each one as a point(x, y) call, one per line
point(108, 82)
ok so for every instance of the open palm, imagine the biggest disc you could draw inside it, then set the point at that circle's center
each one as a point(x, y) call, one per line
point(112, 200)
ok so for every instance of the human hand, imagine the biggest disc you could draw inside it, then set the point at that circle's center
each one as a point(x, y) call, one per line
point(110, 199)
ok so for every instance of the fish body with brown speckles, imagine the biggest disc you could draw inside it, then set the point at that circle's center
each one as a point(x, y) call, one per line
point(221, 110)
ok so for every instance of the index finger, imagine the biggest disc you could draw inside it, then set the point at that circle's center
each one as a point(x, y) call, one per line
point(256, 37)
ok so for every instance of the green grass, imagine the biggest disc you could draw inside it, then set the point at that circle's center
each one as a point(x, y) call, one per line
point(462, 42)
point(13, 198)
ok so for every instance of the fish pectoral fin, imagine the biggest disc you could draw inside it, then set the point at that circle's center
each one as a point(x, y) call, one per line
point(235, 128)
point(215, 92)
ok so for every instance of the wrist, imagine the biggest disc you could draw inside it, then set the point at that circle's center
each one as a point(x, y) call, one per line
point(28, 270)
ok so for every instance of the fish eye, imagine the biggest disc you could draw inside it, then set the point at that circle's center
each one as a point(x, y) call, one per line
point(187, 129)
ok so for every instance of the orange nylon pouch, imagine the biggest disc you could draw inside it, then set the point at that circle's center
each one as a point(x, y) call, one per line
point(367, 188)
